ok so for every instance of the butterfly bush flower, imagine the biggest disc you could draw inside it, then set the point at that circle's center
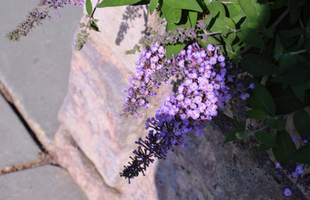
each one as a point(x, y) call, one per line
point(203, 91)
point(287, 192)
point(35, 17)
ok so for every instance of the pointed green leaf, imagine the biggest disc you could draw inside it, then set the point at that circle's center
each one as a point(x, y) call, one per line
point(285, 147)
point(225, 25)
point(257, 114)
point(94, 26)
point(266, 139)
point(218, 9)
point(172, 15)
point(278, 50)
point(232, 135)
point(263, 148)
point(276, 122)
point(302, 155)
point(251, 37)
point(261, 99)
point(285, 99)
point(174, 49)
point(295, 74)
point(258, 66)
point(89, 7)
point(187, 5)
point(188, 20)
point(287, 60)
point(278, 4)
point(299, 90)
point(234, 12)
point(294, 15)
point(112, 3)
point(256, 11)
point(153, 5)
point(269, 32)
point(302, 122)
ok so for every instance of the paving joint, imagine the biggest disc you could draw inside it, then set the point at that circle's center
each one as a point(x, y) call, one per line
point(44, 159)
point(6, 94)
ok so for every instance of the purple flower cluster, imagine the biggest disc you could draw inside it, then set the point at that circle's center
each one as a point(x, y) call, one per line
point(35, 17)
point(203, 91)
point(151, 71)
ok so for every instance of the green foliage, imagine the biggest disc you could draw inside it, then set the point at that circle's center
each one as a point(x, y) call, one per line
point(285, 147)
point(112, 3)
point(258, 65)
point(266, 139)
point(89, 7)
point(276, 123)
point(257, 114)
point(302, 155)
point(232, 135)
point(260, 98)
point(153, 5)
point(302, 122)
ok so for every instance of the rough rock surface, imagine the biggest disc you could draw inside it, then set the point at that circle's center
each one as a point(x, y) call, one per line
point(94, 142)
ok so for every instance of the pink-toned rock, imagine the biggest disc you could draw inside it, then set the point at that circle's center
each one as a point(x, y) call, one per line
point(94, 142)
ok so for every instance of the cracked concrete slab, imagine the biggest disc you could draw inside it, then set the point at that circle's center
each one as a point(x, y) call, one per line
point(46, 182)
point(35, 71)
point(16, 144)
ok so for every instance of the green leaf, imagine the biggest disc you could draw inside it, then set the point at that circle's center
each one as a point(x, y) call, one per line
point(210, 40)
point(287, 60)
point(294, 15)
point(187, 5)
point(94, 26)
point(218, 9)
point(251, 37)
point(234, 12)
point(256, 11)
point(269, 32)
point(263, 148)
point(172, 15)
point(276, 122)
point(257, 114)
point(89, 7)
point(174, 49)
point(266, 139)
point(232, 135)
point(302, 155)
point(278, 4)
point(261, 99)
point(294, 4)
point(297, 73)
point(285, 147)
point(225, 25)
point(239, 124)
point(299, 90)
point(302, 122)
point(188, 20)
point(259, 66)
point(153, 5)
point(278, 50)
point(285, 99)
point(112, 3)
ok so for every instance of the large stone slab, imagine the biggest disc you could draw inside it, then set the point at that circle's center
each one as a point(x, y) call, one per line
point(16, 144)
point(46, 182)
point(35, 71)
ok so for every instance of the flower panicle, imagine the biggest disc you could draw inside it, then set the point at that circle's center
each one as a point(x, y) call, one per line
point(35, 17)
